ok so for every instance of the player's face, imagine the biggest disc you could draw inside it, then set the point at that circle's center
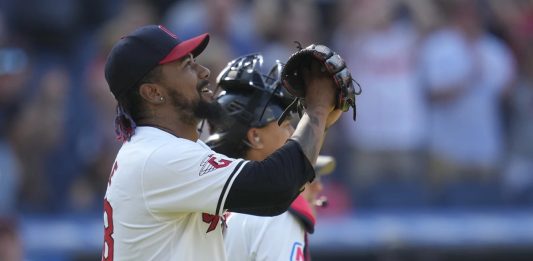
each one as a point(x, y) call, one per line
point(274, 136)
point(189, 90)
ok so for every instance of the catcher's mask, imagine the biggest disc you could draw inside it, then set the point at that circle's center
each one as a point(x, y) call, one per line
point(250, 99)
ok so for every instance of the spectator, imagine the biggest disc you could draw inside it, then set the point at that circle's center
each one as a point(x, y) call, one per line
point(518, 179)
point(387, 144)
point(43, 191)
point(466, 71)
point(13, 69)
point(280, 23)
point(10, 243)
point(228, 24)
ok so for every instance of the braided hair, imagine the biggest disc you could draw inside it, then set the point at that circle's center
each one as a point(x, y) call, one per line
point(130, 108)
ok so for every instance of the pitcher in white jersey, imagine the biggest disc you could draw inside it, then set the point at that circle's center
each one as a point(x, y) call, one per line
point(167, 191)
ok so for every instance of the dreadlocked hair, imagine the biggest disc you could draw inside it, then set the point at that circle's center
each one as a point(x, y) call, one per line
point(129, 108)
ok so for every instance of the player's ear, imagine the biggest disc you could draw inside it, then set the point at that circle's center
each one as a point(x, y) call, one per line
point(152, 93)
point(254, 138)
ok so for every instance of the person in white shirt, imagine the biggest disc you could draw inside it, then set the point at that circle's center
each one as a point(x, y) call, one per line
point(167, 190)
point(251, 131)
point(467, 72)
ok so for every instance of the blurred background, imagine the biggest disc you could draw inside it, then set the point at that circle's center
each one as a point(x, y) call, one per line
point(438, 166)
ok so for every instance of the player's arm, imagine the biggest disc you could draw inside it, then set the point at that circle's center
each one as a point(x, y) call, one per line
point(268, 187)
point(319, 114)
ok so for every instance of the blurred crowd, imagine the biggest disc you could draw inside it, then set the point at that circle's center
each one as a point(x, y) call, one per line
point(445, 118)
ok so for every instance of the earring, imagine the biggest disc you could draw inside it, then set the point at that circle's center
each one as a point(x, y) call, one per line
point(161, 98)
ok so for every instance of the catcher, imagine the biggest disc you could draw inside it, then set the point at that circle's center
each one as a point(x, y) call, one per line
point(251, 131)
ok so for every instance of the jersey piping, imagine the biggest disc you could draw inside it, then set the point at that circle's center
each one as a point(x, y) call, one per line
point(228, 183)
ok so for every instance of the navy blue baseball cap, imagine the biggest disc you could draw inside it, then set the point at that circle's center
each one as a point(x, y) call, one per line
point(136, 54)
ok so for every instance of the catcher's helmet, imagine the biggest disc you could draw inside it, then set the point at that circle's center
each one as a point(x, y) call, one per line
point(250, 99)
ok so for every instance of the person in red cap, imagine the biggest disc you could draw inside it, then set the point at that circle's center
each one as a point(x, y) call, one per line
point(168, 190)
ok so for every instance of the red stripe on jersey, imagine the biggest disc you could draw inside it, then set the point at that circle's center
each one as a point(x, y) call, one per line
point(301, 209)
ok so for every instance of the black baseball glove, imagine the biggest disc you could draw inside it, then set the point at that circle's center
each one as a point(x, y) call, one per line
point(332, 63)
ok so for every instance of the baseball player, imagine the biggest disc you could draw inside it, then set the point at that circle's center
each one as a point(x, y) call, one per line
point(251, 131)
point(167, 190)
point(283, 237)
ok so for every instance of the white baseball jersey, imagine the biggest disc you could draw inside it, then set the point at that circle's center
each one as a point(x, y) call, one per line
point(280, 237)
point(165, 199)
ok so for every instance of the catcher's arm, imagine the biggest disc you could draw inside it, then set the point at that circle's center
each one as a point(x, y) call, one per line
point(320, 77)
point(320, 113)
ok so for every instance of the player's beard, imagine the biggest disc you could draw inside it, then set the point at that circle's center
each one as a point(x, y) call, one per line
point(191, 112)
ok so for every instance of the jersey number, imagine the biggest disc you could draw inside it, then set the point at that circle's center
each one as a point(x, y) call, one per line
point(107, 251)
point(109, 242)
point(212, 220)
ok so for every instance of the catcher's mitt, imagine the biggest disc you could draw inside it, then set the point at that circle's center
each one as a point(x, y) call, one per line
point(332, 63)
